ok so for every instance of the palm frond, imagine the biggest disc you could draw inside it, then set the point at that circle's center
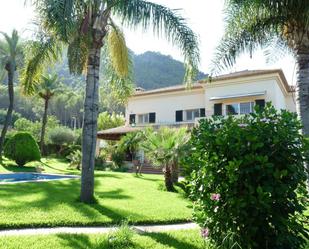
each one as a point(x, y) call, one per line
point(121, 85)
point(118, 52)
point(59, 17)
point(247, 29)
point(276, 50)
point(78, 54)
point(39, 54)
point(166, 22)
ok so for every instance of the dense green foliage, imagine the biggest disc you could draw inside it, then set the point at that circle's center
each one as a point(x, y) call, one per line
point(22, 148)
point(131, 143)
point(62, 136)
point(118, 157)
point(34, 128)
point(15, 116)
point(107, 121)
point(75, 158)
point(249, 179)
point(163, 148)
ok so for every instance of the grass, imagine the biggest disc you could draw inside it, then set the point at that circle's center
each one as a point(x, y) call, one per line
point(50, 165)
point(120, 196)
point(177, 239)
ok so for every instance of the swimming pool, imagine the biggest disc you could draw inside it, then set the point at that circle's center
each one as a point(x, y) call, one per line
point(32, 177)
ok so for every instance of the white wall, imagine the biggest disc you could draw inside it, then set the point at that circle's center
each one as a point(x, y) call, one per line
point(165, 104)
point(290, 102)
point(273, 92)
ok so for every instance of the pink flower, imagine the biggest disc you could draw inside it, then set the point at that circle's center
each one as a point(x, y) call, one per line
point(215, 197)
point(205, 233)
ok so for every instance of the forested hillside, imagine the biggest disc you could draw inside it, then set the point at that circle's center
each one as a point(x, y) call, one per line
point(153, 70)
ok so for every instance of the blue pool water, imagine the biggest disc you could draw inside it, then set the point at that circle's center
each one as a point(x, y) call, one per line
point(25, 177)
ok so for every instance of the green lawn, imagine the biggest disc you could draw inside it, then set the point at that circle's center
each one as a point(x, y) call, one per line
point(189, 239)
point(121, 196)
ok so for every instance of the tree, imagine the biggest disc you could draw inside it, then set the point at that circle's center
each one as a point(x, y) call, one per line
point(278, 24)
point(86, 27)
point(163, 148)
point(107, 121)
point(11, 55)
point(46, 90)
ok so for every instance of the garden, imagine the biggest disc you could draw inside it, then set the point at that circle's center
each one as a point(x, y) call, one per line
point(242, 180)
point(237, 186)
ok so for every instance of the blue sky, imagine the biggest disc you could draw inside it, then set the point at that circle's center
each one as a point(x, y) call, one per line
point(205, 17)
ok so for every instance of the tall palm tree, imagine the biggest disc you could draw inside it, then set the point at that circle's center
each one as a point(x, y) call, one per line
point(276, 24)
point(46, 90)
point(11, 55)
point(87, 26)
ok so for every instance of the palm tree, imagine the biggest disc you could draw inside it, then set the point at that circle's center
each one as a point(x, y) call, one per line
point(276, 24)
point(11, 55)
point(46, 90)
point(163, 148)
point(86, 27)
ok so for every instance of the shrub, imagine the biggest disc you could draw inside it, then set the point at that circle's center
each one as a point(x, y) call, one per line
point(34, 128)
point(117, 157)
point(22, 148)
point(249, 178)
point(100, 160)
point(75, 159)
point(61, 135)
point(69, 149)
point(121, 238)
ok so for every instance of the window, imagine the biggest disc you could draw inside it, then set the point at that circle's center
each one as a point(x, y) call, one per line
point(191, 115)
point(143, 118)
point(239, 108)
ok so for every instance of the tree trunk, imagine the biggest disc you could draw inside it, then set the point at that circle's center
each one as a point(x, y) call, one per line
point(168, 179)
point(90, 125)
point(175, 172)
point(44, 122)
point(10, 69)
point(302, 87)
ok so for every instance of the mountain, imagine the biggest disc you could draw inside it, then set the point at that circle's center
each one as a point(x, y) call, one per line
point(151, 70)
point(154, 70)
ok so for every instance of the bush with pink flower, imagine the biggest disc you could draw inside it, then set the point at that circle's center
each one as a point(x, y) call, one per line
point(248, 179)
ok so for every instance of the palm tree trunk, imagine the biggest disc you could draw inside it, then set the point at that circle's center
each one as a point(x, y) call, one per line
point(302, 87)
point(90, 125)
point(44, 122)
point(11, 69)
point(175, 172)
point(168, 179)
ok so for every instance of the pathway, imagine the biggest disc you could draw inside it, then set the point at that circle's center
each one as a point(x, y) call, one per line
point(96, 230)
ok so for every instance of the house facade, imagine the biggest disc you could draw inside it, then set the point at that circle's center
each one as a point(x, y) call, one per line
point(231, 94)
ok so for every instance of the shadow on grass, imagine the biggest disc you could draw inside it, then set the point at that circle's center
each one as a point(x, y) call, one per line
point(52, 195)
point(143, 177)
point(113, 194)
point(170, 241)
point(15, 168)
point(82, 241)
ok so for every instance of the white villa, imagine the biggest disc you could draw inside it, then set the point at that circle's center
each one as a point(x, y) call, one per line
point(234, 93)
